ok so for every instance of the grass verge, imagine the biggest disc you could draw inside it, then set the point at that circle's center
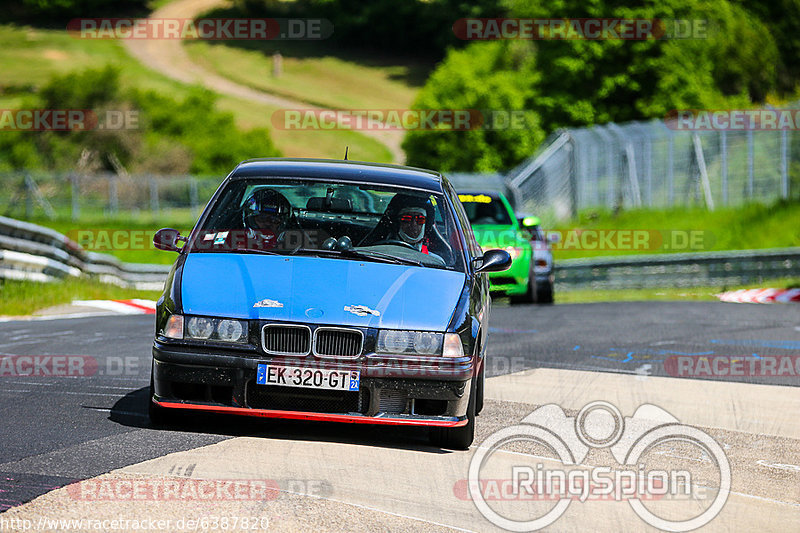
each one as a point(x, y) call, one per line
point(747, 227)
point(310, 74)
point(29, 57)
point(19, 298)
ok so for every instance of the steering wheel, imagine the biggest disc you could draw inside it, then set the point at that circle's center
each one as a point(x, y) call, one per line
point(397, 242)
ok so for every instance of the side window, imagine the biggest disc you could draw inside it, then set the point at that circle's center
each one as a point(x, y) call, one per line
point(474, 249)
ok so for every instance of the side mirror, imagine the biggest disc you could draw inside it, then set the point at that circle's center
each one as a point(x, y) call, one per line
point(493, 261)
point(553, 237)
point(167, 239)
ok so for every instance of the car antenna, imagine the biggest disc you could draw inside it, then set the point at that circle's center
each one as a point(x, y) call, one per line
point(345, 152)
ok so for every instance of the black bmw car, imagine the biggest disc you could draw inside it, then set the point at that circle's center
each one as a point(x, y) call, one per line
point(327, 290)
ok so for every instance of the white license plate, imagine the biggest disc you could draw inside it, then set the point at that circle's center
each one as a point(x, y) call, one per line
point(310, 378)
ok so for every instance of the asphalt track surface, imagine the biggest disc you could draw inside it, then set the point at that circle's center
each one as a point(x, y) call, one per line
point(57, 430)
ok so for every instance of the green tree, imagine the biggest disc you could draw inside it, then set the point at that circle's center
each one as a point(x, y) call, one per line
point(579, 82)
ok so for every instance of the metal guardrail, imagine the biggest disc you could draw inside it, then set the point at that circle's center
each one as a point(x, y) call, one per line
point(31, 252)
point(715, 269)
point(35, 253)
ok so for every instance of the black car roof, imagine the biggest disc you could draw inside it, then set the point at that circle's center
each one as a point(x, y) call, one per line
point(340, 170)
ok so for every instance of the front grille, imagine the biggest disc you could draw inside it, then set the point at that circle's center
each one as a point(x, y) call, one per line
point(306, 400)
point(338, 342)
point(279, 339)
point(502, 280)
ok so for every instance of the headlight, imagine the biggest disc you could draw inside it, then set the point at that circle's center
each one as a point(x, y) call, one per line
point(218, 329)
point(200, 328)
point(409, 342)
point(513, 252)
point(230, 330)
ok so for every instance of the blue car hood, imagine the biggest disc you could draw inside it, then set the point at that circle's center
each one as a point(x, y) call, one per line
point(317, 290)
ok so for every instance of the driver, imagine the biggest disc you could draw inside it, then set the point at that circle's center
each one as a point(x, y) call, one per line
point(411, 223)
point(266, 215)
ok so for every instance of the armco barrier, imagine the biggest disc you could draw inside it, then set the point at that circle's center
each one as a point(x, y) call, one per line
point(35, 253)
point(716, 269)
point(31, 252)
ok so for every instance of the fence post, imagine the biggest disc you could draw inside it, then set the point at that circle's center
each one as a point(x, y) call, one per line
point(784, 164)
point(750, 169)
point(701, 167)
point(573, 178)
point(670, 168)
point(75, 190)
point(723, 162)
point(113, 194)
point(28, 196)
point(193, 195)
point(153, 195)
point(633, 176)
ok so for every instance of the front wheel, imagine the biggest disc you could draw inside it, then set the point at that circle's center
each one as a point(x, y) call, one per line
point(459, 438)
point(544, 293)
point(530, 295)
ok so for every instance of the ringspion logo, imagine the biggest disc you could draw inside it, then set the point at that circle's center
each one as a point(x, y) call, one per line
point(515, 482)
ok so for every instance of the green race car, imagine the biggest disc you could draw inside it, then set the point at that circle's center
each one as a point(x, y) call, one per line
point(495, 226)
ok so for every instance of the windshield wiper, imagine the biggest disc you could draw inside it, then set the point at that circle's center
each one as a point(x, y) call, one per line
point(381, 255)
point(254, 251)
point(386, 258)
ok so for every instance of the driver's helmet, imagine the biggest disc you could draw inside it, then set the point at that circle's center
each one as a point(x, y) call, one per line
point(411, 222)
point(266, 212)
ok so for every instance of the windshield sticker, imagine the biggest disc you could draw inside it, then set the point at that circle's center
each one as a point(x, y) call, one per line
point(480, 198)
point(221, 236)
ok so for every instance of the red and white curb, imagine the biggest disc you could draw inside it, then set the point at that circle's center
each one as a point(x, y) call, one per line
point(103, 308)
point(121, 307)
point(761, 296)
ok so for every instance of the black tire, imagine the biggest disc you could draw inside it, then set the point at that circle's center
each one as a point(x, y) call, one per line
point(530, 295)
point(457, 438)
point(544, 294)
point(480, 388)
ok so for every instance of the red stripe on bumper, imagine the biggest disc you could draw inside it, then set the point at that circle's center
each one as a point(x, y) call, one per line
point(323, 417)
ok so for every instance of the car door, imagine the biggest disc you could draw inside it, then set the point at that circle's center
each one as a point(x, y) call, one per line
point(480, 304)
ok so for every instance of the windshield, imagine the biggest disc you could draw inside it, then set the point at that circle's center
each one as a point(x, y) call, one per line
point(291, 216)
point(483, 209)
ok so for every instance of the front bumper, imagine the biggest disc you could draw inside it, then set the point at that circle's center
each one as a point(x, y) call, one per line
point(392, 391)
point(514, 280)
